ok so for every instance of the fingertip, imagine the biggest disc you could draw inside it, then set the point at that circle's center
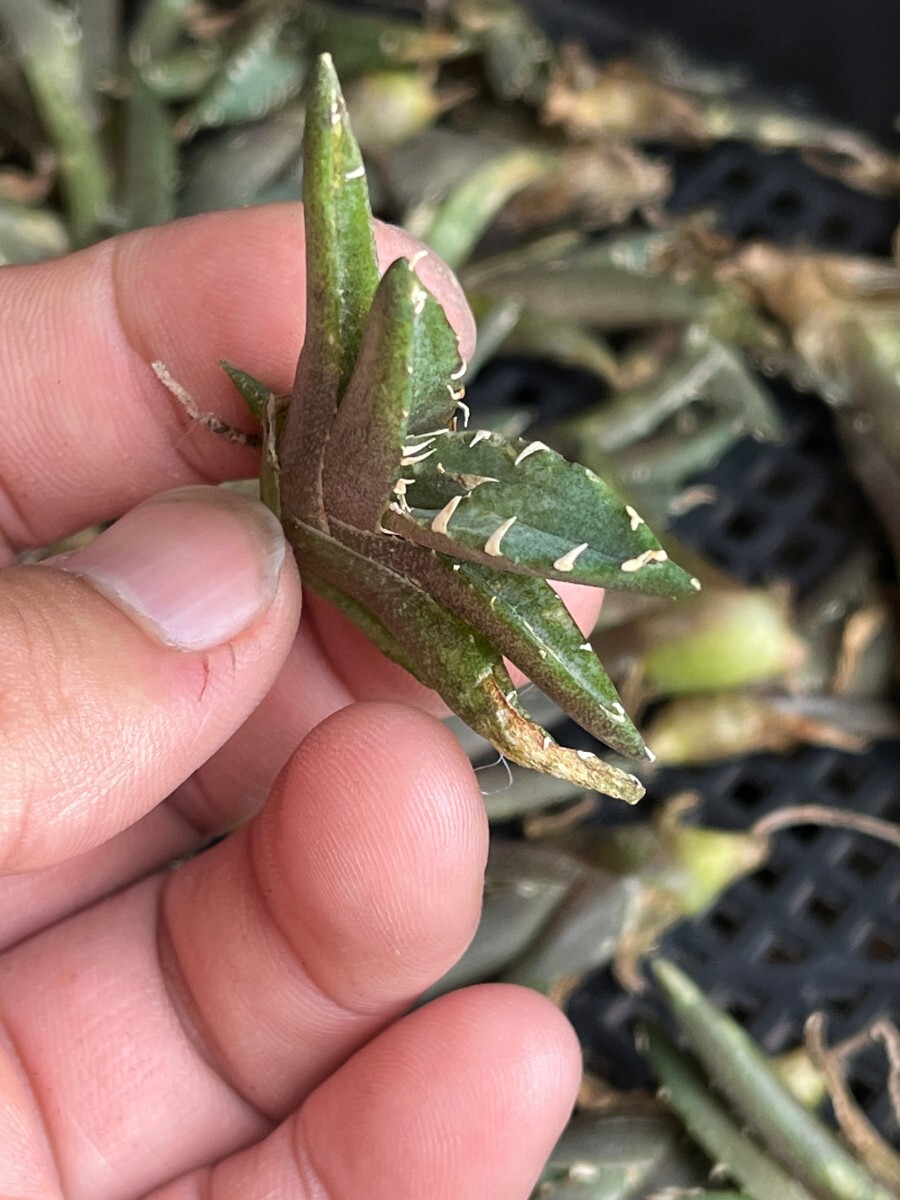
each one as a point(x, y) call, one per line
point(537, 1033)
point(376, 832)
point(394, 242)
point(497, 1065)
point(460, 1100)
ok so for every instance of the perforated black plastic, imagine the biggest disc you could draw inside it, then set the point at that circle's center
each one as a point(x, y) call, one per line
point(779, 198)
point(790, 512)
point(818, 927)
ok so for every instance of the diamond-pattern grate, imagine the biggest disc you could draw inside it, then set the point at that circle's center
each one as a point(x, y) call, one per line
point(818, 928)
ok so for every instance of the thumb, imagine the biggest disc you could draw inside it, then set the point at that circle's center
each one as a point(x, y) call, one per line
point(126, 664)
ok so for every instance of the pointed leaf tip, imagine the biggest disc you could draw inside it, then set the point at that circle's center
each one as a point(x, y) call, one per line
point(341, 277)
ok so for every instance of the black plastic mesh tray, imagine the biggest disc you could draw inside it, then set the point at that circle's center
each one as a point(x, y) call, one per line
point(818, 927)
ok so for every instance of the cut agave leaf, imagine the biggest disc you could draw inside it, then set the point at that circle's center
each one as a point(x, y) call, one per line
point(150, 167)
point(520, 507)
point(363, 42)
point(740, 1070)
point(469, 209)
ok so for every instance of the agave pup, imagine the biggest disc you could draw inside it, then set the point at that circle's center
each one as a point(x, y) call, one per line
point(436, 539)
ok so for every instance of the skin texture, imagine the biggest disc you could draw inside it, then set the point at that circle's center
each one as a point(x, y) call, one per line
point(235, 1027)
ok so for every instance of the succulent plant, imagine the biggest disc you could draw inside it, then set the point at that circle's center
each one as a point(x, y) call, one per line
point(436, 539)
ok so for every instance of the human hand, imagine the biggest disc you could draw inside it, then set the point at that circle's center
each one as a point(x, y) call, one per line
point(232, 1028)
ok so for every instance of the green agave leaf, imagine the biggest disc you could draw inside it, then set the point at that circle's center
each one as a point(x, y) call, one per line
point(183, 74)
point(30, 234)
point(150, 162)
point(702, 367)
point(740, 1070)
point(456, 661)
point(360, 42)
point(252, 391)
point(582, 935)
point(520, 507)
point(436, 388)
point(361, 617)
point(527, 621)
point(342, 275)
point(615, 284)
point(708, 1122)
point(159, 29)
point(470, 208)
point(260, 74)
point(99, 21)
point(524, 883)
point(47, 40)
point(403, 373)
point(522, 618)
point(621, 1155)
point(236, 166)
point(605, 298)
point(566, 342)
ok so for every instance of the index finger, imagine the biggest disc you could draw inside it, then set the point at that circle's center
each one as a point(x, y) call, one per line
point(89, 431)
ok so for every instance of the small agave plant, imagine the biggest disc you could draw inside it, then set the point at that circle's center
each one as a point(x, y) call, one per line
point(437, 539)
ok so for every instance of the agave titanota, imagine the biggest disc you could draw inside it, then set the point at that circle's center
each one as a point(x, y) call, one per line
point(437, 539)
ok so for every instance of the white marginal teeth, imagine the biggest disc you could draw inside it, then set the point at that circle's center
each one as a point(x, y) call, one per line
point(409, 460)
point(531, 448)
point(643, 560)
point(566, 562)
point(492, 545)
point(440, 522)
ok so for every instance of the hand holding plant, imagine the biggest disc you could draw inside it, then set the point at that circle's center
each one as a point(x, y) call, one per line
point(166, 1021)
